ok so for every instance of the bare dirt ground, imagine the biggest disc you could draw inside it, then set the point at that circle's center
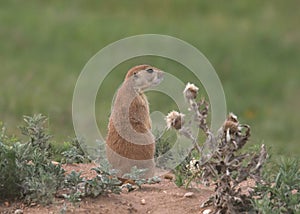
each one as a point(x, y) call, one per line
point(164, 197)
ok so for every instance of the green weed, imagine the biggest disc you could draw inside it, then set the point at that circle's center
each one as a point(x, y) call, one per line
point(27, 171)
point(281, 191)
point(75, 153)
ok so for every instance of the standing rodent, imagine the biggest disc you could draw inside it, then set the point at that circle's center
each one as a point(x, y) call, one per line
point(129, 140)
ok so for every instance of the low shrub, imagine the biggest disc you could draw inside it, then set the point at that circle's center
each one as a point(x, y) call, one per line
point(280, 191)
point(27, 171)
point(75, 153)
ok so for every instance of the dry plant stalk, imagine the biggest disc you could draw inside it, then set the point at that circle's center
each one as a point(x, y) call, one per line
point(221, 163)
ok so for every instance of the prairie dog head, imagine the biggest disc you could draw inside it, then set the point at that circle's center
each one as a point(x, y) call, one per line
point(144, 76)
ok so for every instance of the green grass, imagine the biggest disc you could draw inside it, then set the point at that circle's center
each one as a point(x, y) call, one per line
point(254, 47)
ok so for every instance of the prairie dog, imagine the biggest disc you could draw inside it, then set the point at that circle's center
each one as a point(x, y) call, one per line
point(129, 140)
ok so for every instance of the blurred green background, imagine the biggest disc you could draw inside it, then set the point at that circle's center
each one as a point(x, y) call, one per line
point(253, 45)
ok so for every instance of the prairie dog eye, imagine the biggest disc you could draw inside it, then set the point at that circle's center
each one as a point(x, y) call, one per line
point(149, 70)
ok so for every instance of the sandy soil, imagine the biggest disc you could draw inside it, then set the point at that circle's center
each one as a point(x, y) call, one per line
point(164, 197)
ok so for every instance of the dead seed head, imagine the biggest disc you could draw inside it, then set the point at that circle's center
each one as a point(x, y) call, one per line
point(231, 123)
point(232, 117)
point(232, 126)
point(175, 119)
point(190, 91)
point(194, 166)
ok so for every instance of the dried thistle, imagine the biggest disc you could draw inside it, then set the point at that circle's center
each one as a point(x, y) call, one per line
point(221, 163)
point(175, 120)
point(190, 92)
point(231, 123)
point(193, 166)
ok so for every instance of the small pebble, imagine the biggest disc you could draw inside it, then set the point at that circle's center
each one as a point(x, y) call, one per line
point(208, 211)
point(188, 194)
point(18, 211)
point(124, 190)
point(33, 204)
point(143, 201)
point(168, 176)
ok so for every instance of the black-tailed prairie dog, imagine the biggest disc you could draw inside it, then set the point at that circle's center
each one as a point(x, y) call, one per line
point(129, 140)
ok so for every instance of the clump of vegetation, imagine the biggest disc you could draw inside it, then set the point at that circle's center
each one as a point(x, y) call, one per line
point(136, 175)
point(28, 173)
point(73, 187)
point(26, 170)
point(222, 164)
point(163, 143)
point(105, 182)
point(280, 191)
point(75, 154)
point(8, 167)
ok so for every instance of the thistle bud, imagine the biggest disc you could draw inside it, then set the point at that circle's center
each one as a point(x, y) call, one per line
point(232, 117)
point(175, 119)
point(190, 91)
point(231, 123)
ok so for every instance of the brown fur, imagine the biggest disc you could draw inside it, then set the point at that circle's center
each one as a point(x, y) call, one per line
point(129, 139)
